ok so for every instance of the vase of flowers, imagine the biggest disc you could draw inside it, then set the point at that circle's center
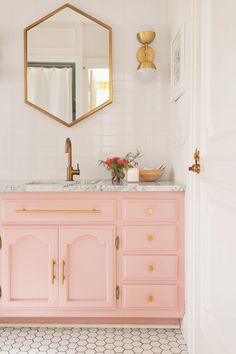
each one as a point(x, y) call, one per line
point(119, 165)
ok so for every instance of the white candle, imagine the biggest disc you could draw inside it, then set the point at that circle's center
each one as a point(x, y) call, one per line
point(133, 175)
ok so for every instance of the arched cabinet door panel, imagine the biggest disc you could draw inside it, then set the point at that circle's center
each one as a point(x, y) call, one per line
point(28, 267)
point(87, 275)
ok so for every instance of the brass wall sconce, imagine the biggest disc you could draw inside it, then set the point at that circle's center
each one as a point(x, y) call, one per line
point(146, 55)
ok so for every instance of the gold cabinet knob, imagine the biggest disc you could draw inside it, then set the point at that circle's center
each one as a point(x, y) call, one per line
point(150, 237)
point(150, 268)
point(150, 298)
point(150, 211)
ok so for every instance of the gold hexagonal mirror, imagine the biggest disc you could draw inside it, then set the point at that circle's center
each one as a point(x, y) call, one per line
point(68, 65)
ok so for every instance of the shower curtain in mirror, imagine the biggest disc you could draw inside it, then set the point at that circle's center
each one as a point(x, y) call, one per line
point(51, 90)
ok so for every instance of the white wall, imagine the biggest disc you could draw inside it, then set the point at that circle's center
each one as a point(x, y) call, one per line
point(32, 144)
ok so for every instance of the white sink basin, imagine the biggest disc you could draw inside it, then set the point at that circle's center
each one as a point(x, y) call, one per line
point(59, 183)
point(50, 182)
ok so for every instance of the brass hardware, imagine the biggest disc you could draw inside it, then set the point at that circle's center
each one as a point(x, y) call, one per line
point(150, 211)
point(53, 271)
point(0, 291)
point(26, 37)
point(150, 298)
point(0, 242)
point(80, 211)
point(150, 268)
point(117, 292)
point(142, 52)
point(71, 172)
point(145, 54)
point(63, 277)
point(196, 167)
point(117, 242)
point(150, 237)
point(146, 37)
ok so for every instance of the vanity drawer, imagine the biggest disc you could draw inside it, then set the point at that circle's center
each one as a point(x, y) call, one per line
point(150, 297)
point(150, 210)
point(142, 268)
point(150, 238)
point(58, 210)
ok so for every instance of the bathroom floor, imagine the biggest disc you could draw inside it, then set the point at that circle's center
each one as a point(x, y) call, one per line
point(30, 340)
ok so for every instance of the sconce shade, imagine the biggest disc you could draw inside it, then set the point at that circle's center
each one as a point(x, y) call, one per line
point(146, 65)
point(146, 37)
point(146, 74)
point(146, 70)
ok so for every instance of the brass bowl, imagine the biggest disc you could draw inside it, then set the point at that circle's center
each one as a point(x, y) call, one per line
point(152, 175)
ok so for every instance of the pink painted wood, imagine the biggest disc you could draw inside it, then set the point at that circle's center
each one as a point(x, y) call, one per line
point(93, 266)
point(150, 297)
point(150, 210)
point(150, 238)
point(27, 267)
point(149, 268)
point(88, 253)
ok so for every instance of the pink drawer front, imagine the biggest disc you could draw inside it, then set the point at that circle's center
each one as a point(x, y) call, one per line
point(149, 238)
point(141, 268)
point(150, 210)
point(150, 297)
point(58, 210)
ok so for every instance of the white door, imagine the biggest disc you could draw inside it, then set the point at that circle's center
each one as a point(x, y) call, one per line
point(215, 186)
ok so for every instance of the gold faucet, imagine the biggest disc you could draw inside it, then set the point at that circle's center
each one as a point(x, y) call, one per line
point(70, 170)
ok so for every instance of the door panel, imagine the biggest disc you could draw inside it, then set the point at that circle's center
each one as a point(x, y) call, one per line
point(88, 253)
point(216, 242)
point(27, 267)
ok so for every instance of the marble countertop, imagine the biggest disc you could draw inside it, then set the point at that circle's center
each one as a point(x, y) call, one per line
point(88, 186)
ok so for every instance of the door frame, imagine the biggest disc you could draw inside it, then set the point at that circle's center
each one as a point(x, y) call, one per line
point(197, 87)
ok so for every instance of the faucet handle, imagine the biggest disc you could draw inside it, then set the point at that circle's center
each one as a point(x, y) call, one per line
point(77, 170)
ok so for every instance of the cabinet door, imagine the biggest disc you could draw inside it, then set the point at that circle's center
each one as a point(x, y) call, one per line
point(87, 267)
point(29, 269)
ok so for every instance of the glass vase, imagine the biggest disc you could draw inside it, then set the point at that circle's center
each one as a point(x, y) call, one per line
point(117, 179)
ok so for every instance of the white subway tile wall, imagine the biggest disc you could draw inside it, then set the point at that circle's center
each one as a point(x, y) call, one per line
point(32, 144)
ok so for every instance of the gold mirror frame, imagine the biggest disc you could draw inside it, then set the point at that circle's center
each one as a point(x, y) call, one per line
point(110, 64)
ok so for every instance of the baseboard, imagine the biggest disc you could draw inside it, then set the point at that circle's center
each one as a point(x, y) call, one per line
point(91, 322)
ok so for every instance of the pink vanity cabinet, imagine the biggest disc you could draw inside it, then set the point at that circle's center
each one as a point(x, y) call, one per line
point(92, 256)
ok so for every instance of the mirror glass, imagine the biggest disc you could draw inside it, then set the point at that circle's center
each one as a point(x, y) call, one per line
point(68, 65)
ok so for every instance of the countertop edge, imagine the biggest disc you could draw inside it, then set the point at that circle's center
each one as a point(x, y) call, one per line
point(87, 186)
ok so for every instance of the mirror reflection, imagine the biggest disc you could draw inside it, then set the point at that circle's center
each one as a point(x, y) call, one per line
point(68, 65)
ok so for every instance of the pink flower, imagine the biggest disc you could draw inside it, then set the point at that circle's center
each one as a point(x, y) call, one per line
point(108, 162)
point(120, 162)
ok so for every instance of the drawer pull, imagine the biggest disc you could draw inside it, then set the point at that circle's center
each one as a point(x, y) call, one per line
point(150, 298)
point(53, 271)
point(150, 211)
point(150, 237)
point(150, 268)
point(81, 211)
point(117, 292)
point(63, 277)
